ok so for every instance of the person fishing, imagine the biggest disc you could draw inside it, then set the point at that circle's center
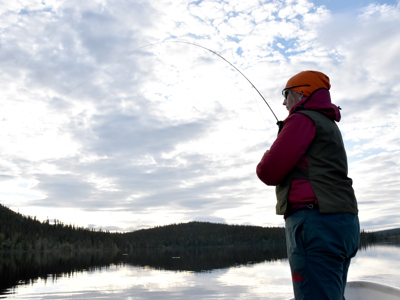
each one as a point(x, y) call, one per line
point(308, 165)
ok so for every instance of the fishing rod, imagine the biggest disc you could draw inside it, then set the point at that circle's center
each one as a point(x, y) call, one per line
point(189, 43)
point(197, 45)
point(279, 123)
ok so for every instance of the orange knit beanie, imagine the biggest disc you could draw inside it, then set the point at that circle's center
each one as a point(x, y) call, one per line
point(307, 82)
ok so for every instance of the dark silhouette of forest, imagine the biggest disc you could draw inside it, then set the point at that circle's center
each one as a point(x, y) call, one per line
point(26, 234)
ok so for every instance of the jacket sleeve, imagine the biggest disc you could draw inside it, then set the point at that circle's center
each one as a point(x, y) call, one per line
point(287, 150)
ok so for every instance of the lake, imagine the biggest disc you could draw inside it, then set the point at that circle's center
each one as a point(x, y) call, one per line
point(209, 273)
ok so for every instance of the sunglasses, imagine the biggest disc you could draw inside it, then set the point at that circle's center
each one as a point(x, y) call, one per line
point(285, 91)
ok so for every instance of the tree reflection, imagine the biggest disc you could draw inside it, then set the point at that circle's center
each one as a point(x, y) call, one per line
point(20, 268)
point(26, 268)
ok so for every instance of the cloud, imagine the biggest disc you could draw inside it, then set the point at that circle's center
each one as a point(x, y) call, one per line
point(133, 135)
point(95, 126)
point(376, 185)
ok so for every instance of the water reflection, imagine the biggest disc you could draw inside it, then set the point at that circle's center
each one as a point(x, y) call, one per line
point(27, 268)
point(204, 259)
point(378, 263)
point(202, 273)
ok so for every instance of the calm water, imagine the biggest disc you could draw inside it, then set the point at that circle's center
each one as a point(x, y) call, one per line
point(222, 273)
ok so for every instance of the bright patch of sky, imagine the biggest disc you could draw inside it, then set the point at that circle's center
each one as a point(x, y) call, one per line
point(99, 133)
point(352, 6)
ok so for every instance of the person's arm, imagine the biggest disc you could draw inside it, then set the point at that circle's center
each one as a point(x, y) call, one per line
point(291, 143)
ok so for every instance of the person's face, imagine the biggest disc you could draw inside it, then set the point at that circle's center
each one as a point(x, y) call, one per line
point(291, 99)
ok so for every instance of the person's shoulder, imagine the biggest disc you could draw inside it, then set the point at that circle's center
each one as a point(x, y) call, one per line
point(299, 124)
point(298, 117)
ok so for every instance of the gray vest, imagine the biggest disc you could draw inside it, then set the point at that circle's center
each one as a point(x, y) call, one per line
point(327, 170)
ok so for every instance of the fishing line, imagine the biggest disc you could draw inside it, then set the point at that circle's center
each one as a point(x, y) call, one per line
point(189, 43)
point(262, 115)
point(182, 42)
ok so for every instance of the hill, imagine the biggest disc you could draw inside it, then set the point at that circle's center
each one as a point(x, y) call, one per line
point(24, 233)
point(395, 231)
point(194, 234)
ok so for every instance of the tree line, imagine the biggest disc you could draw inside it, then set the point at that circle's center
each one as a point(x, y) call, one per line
point(27, 234)
point(24, 233)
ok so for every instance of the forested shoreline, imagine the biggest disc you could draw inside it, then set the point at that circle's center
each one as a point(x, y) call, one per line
point(26, 234)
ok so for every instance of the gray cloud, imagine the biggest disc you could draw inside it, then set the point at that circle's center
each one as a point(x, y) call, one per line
point(63, 189)
point(124, 134)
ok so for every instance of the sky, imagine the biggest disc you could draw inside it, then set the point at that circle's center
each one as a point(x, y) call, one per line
point(108, 123)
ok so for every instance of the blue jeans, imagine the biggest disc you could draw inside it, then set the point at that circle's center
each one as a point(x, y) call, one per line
point(320, 247)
